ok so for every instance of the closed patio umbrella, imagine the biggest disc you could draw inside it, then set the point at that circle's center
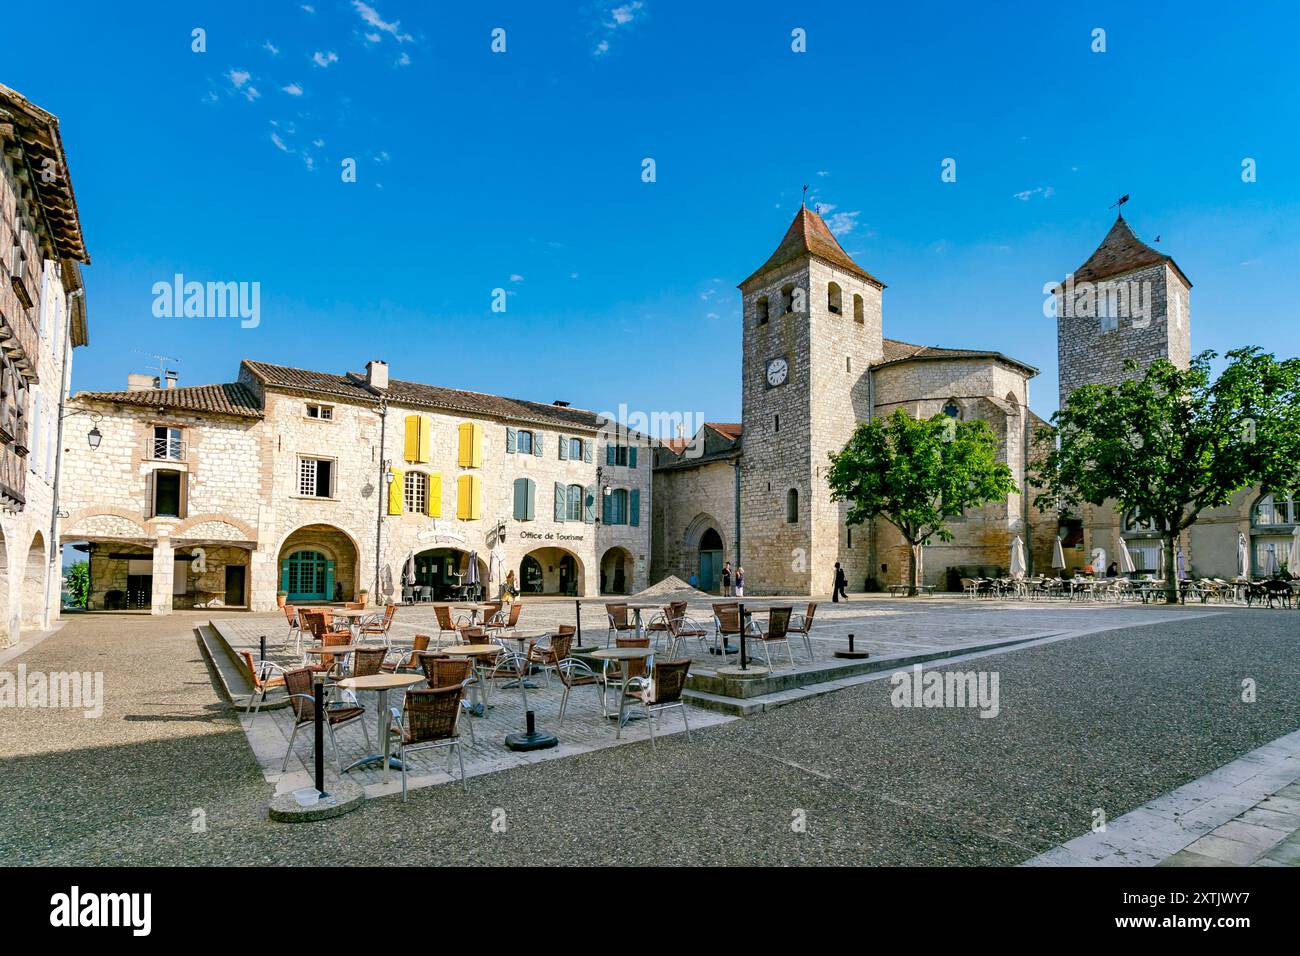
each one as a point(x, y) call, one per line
point(1243, 557)
point(1125, 559)
point(1161, 572)
point(1182, 565)
point(1270, 559)
point(1018, 558)
point(1058, 555)
point(471, 572)
point(410, 568)
point(1293, 561)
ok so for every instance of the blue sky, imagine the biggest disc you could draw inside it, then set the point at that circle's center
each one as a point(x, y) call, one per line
point(522, 171)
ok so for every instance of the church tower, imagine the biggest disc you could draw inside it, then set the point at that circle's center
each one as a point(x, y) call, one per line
point(1126, 301)
point(812, 329)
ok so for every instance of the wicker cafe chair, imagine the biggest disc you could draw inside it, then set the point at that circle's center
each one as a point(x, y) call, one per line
point(442, 671)
point(574, 673)
point(505, 620)
point(379, 625)
point(726, 623)
point(619, 621)
point(263, 676)
point(446, 625)
point(548, 655)
point(778, 632)
point(659, 623)
point(295, 628)
point(680, 629)
point(368, 661)
point(662, 693)
point(303, 700)
point(431, 718)
point(407, 660)
point(802, 624)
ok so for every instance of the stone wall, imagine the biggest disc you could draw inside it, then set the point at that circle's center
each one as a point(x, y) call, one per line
point(688, 501)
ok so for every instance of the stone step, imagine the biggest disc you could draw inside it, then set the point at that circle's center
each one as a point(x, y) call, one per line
point(231, 680)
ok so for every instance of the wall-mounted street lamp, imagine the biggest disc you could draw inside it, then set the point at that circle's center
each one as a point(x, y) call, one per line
point(94, 437)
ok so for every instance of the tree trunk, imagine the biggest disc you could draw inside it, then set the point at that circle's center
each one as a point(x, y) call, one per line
point(913, 570)
point(1171, 569)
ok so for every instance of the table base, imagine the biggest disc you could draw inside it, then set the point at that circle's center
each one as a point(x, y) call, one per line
point(393, 762)
point(534, 741)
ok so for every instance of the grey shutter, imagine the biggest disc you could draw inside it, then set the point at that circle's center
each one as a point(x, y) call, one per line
point(521, 508)
point(559, 501)
point(587, 445)
point(537, 444)
point(609, 454)
point(606, 509)
point(183, 495)
point(631, 457)
point(589, 503)
point(511, 441)
point(148, 495)
point(564, 448)
point(634, 505)
point(531, 499)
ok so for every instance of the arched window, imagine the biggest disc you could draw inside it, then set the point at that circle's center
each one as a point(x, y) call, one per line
point(1134, 523)
point(524, 442)
point(1272, 521)
point(1272, 511)
point(858, 316)
point(792, 506)
point(573, 504)
point(760, 308)
point(787, 298)
point(833, 298)
point(952, 409)
point(416, 492)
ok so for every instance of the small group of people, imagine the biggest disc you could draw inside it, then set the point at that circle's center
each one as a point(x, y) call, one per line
point(733, 584)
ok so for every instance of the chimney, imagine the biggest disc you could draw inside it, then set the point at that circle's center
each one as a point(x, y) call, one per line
point(377, 374)
point(560, 403)
point(140, 382)
point(169, 375)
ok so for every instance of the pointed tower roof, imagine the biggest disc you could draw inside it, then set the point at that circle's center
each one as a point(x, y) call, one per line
point(809, 235)
point(1122, 251)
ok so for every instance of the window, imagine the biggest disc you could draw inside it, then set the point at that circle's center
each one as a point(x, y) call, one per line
point(416, 493)
point(323, 412)
point(952, 409)
point(848, 534)
point(858, 316)
point(760, 308)
point(792, 506)
point(524, 442)
point(1135, 524)
point(1107, 308)
point(167, 444)
point(575, 449)
point(787, 298)
point(833, 298)
point(36, 432)
point(776, 423)
point(167, 494)
point(573, 504)
point(1273, 510)
point(620, 455)
point(316, 477)
point(848, 363)
point(616, 506)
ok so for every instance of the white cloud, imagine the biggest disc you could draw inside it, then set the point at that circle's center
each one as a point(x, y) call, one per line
point(372, 17)
point(822, 172)
point(279, 143)
point(573, 275)
point(241, 81)
point(324, 59)
point(712, 315)
point(293, 89)
point(404, 60)
point(309, 8)
point(616, 18)
point(602, 47)
point(239, 77)
point(516, 277)
point(843, 223)
point(271, 48)
point(372, 37)
point(1045, 192)
point(624, 14)
point(318, 143)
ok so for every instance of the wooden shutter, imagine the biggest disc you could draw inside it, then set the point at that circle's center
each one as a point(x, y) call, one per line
point(560, 500)
point(411, 445)
point(606, 507)
point(471, 445)
point(396, 492)
point(521, 489)
point(511, 441)
point(609, 454)
point(433, 507)
point(634, 505)
point(426, 439)
point(182, 494)
point(537, 444)
point(564, 448)
point(589, 497)
point(462, 496)
point(587, 445)
point(530, 498)
point(149, 502)
point(475, 496)
point(631, 457)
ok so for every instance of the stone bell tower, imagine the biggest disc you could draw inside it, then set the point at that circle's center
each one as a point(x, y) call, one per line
point(811, 330)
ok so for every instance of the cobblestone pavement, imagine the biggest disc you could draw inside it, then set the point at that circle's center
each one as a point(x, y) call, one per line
point(1112, 720)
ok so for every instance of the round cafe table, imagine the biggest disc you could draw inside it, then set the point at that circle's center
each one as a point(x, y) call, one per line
point(340, 650)
point(623, 654)
point(382, 683)
point(353, 616)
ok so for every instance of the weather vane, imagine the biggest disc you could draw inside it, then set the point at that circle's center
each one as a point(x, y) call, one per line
point(804, 201)
point(1119, 202)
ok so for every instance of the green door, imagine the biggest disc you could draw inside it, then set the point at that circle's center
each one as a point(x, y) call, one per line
point(306, 577)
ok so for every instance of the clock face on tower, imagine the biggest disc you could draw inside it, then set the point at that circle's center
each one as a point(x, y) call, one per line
point(778, 370)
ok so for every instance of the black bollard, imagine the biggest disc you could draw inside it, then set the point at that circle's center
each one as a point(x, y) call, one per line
point(318, 681)
point(850, 643)
point(852, 653)
point(262, 644)
point(532, 723)
point(577, 613)
point(744, 659)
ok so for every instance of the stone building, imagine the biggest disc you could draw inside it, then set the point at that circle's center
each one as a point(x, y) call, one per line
point(320, 486)
point(1128, 300)
point(814, 364)
point(42, 319)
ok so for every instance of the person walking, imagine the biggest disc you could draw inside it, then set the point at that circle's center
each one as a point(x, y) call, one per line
point(740, 582)
point(726, 579)
point(841, 584)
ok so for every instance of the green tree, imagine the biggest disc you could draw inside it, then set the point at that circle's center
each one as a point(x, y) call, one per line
point(78, 578)
point(916, 474)
point(1173, 442)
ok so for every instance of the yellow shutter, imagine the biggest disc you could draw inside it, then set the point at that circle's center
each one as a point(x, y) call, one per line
point(426, 433)
point(396, 489)
point(434, 507)
point(411, 450)
point(469, 497)
point(471, 445)
point(476, 495)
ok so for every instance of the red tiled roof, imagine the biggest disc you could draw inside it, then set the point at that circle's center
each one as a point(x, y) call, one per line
point(230, 398)
point(1121, 251)
point(730, 430)
point(809, 235)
